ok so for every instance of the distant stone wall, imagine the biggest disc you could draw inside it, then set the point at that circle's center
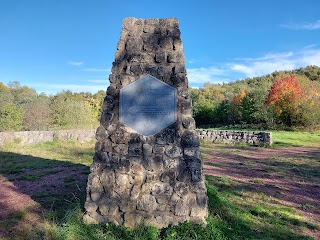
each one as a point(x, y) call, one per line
point(232, 137)
point(34, 137)
point(215, 136)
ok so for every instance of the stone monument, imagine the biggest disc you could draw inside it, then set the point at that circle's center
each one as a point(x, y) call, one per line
point(147, 167)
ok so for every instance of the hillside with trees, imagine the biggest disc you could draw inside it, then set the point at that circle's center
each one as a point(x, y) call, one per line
point(22, 108)
point(281, 100)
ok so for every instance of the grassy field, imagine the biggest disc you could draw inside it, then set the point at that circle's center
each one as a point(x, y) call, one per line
point(53, 177)
point(295, 139)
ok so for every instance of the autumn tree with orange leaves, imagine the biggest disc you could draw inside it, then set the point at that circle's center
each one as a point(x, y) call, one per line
point(284, 97)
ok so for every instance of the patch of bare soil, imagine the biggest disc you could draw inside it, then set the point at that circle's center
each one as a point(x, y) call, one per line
point(276, 172)
point(22, 201)
point(12, 200)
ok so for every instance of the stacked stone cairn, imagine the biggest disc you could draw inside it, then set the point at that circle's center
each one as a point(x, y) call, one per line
point(152, 180)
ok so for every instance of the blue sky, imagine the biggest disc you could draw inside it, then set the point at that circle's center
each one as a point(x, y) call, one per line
point(57, 45)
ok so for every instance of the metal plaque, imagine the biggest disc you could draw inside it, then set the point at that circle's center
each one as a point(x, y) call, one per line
point(148, 105)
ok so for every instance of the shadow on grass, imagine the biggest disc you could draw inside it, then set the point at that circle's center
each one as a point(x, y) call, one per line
point(250, 221)
point(46, 181)
point(310, 154)
point(279, 144)
point(307, 171)
point(230, 146)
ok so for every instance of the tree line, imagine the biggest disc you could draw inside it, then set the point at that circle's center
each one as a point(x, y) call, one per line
point(23, 109)
point(281, 100)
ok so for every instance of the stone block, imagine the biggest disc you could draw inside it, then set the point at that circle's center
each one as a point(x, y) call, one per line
point(153, 163)
point(159, 149)
point(121, 149)
point(147, 203)
point(175, 58)
point(108, 208)
point(135, 150)
point(181, 208)
point(173, 151)
point(136, 69)
point(90, 219)
point(188, 123)
point(169, 177)
point(190, 139)
point(147, 150)
point(170, 163)
point(91, 206)
point(132, 219)
point(185, 106)
point(181, 189)
point(166, 43)
point(191, 152)
point(151, 69)
point(101, 133)
point(159, 219)
point(134, 45)
point(96, 194)
point(135, 192)
point(150, 43)
point(161, 56)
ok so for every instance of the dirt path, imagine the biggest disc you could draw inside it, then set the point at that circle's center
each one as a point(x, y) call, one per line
point(289, 175)
point(23, 201)
point(12, 200)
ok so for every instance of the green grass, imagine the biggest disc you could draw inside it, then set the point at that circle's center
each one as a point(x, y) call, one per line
point(20, 215)
point(259, 212)
point(237, 210)
point(295, 139)
point(69, 179)
point(36, 176)
point(71, 152)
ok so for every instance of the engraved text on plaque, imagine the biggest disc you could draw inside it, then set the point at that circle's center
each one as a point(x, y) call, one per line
point(148, 105)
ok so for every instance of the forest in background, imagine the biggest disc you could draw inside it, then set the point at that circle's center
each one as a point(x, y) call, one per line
point(23, 109)
point(281, 100)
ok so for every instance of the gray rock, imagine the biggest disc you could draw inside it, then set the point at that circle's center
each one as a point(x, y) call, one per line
point(173, 151)
point(181, 208)
point(190, 139)
point(147, 203)
point(147, 150)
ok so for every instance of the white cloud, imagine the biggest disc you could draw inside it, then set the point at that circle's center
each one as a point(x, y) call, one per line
point(199, 76)
point(277, 62)
point(303, 26)
point(96, 69)
point(259, 68)
point(310, 57)
point(73, 63)
point(241, 68)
